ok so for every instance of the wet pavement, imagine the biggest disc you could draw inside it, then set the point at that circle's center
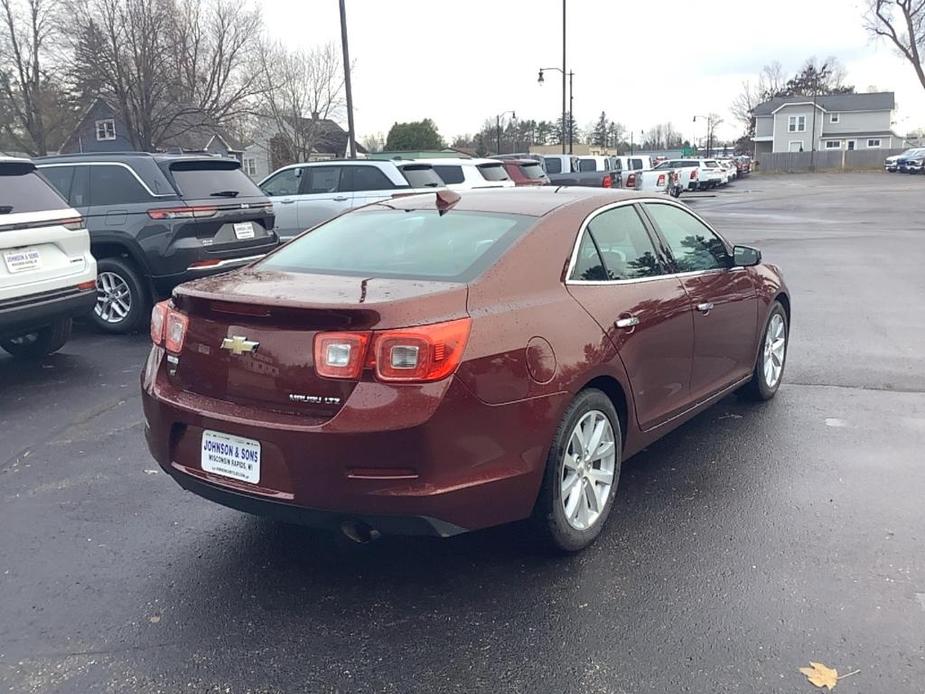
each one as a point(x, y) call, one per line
point(745, 544)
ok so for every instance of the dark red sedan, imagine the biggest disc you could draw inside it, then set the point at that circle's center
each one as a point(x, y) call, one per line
point(435, 364)
point(526, 172)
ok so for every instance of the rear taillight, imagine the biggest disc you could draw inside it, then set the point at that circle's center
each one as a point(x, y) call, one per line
point(412, 355)
point(201, 211)
point(631, 181)
point(200, 264)
point(340, 355)
point(695, 174)
point(425, 353)
point(661, 180)
point(73, 224)
point(607, 181)
point(158, 319)
point(168, 327)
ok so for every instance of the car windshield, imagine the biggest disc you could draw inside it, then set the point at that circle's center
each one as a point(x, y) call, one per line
point(208, 179)
point(421, 176)
point(24, 190)
point(409, 244)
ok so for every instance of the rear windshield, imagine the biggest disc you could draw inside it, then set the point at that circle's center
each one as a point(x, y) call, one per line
point(553, 165)
point(533, 171)
point(421, 176)
point(410, 244)
point(494, 172)
point(23, 190)
point(450, 174)
point(208, 179)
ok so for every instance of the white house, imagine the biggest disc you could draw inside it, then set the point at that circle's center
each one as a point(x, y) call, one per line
point(838, 121)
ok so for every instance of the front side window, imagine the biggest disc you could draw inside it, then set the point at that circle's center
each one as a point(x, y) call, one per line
point(693, 244)
point(616, 246)
point(409, 244)
point(321, 179)
point(284, 183)
point(553, 165)
point(106, 129)
point(60, 177)
point(115, 185)
point(796, 124)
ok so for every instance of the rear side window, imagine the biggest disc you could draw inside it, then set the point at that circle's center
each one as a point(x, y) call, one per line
point(493, 172)
point(553, 165)
point(587, 165)
point(212, 179)
point(616, 247)
point(284, 183)
point(635, 164)
point(450, 174)
point(22, 189)
point(533, 171)
point(360, 178)
point(413, 244)
point(421, 176)
point(115, 185)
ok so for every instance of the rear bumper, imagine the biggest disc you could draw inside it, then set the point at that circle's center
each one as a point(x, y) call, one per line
point(429, 459)
point(28, 313)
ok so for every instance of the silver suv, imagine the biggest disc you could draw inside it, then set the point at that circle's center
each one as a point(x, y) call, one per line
point(305, 195)
point(47, 274)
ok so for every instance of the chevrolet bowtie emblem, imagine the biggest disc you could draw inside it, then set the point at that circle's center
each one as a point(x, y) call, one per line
point(239, 345)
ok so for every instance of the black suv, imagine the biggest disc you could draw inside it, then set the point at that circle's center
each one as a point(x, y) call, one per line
point(157, 220)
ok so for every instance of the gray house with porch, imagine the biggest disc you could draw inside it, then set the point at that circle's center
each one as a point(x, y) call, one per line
point(828, 122)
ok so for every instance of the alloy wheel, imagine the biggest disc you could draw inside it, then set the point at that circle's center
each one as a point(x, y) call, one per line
point(588, 467)
point(113, 298)
point(775, 350)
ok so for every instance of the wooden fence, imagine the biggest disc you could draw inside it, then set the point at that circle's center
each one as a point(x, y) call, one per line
point(832, 160)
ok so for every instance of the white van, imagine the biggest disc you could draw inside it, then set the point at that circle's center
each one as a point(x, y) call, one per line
point(47, 274)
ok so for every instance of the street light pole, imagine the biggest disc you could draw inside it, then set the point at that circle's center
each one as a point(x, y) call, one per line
point(567, 115)
point(571, 113)
point(351, 133)
point(498, 128)
point(563, 76)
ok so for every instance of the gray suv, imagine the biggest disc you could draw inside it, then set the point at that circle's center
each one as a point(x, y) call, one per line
point(157, 220)
point(305, 195)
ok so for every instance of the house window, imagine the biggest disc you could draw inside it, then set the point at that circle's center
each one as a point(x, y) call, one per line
point(833, 144)
point(796, 124)
point(834, 118)
point(250, 166)
point(873, 144)
point(106, 129)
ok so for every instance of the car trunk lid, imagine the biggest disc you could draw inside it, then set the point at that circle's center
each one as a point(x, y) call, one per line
point(267, 322)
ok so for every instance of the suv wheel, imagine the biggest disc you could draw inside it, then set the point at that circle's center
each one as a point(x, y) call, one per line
point(582, 473)
point(40, 343)
point(121, 298)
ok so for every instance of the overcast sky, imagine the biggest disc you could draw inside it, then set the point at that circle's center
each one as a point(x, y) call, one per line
point(642, 61)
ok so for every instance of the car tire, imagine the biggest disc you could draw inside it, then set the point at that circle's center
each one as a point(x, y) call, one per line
point(39, 343)
point(767, 379)
point(123, 301)
point(567, 461)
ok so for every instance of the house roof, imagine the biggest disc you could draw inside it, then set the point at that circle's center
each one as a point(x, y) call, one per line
point(874, 101)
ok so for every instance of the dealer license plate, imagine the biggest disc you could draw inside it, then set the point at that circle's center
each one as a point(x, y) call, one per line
point(244, 230)
point(22, 260)
point(231, 456)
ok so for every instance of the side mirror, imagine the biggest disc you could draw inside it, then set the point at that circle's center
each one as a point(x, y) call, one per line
point(745, 256)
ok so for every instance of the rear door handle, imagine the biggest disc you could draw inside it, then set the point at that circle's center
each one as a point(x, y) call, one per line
point(705, 307)
point(341, 198)
point(630, 322)
point(287, 201)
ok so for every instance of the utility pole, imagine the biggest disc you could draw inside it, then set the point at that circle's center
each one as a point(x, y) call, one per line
point(812, 147)
point(351, 133)
point(563, 75)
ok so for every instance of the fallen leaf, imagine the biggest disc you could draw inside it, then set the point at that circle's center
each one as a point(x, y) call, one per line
point(820, 675)
point(154, 619)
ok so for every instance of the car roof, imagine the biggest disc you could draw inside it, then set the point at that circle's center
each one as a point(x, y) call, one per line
point(14, 160)
point(456, 162)
point(534, 201)
point(129, 156)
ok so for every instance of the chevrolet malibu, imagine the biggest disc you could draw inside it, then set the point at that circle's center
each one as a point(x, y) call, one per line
point(444, 362)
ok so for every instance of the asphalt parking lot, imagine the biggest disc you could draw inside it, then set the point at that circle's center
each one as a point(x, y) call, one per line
point(752, 540)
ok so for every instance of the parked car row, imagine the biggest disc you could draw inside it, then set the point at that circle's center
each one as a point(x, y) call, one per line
point(910, 161)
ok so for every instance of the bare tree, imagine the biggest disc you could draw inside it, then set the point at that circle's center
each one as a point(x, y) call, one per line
point(303, 88)
point(903, 23)
point(35, 108)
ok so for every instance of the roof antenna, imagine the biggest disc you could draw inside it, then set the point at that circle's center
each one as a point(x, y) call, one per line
point(445, 200)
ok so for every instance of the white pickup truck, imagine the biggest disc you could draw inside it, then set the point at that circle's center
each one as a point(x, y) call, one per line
point(643, 176)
